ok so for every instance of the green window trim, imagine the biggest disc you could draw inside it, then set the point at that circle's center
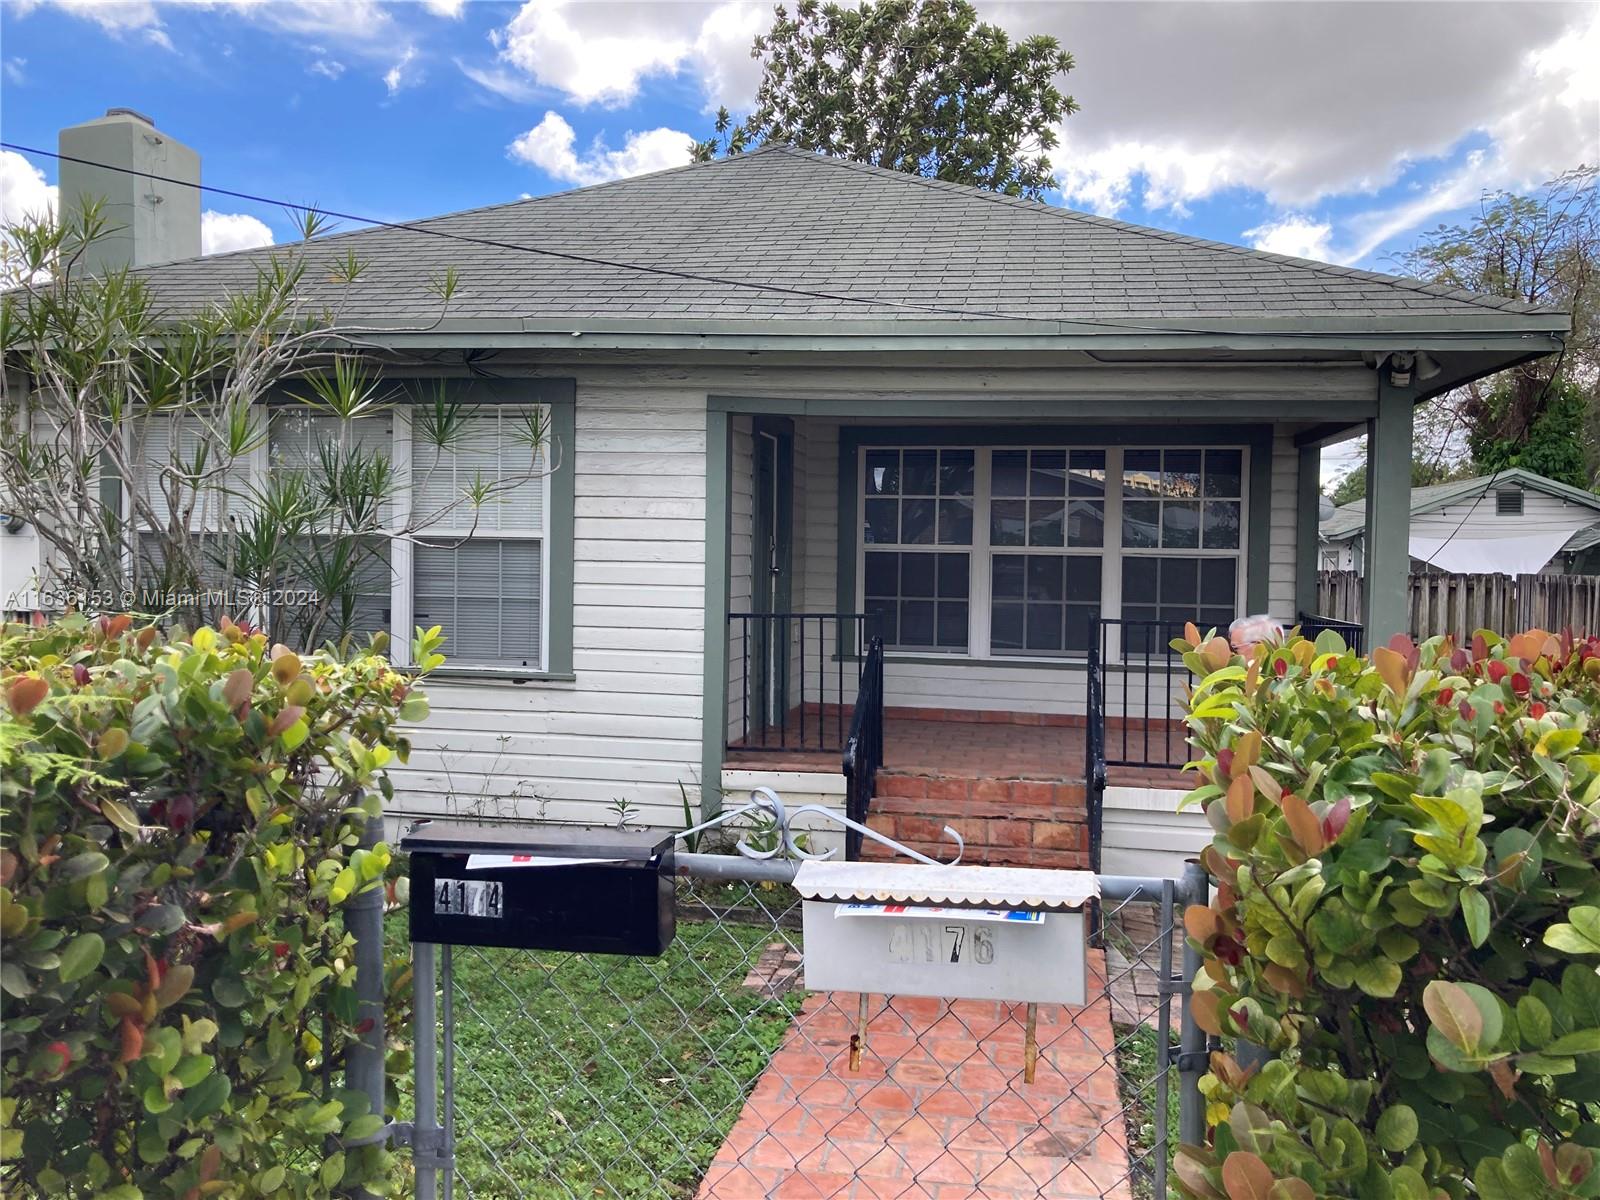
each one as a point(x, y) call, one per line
point(560, 397)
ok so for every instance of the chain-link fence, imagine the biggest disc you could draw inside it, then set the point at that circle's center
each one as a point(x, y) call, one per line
point(710, 1072)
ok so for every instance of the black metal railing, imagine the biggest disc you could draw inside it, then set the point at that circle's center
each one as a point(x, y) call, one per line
point(863, 749)
point(1094, 755)
point(794, 670)
point(1140, 722)
point(1351, 631)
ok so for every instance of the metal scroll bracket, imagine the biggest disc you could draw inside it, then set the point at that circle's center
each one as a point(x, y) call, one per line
point(766, 802)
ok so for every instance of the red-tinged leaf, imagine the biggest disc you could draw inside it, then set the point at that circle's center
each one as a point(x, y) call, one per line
point(286, 717)
point(1241, 801)
point(1392, 669)
point(1265, 783)
point(1200, 921)
point(1246, 752)
point(1206, 1008)
point(1547, 1161)
point(1304, 827)
point(1216, 654)
point(1334, 822)
point(210, 1163)
point(364, 1026)
point(132, 1040)
point(1497, 670)
point(1191, 1173)
point(1191, 633)
point(1247, 1177)
point(1480, 647)
point(117, 626)
point(1504, 1078)
point(237, 688)
point(1453, 1013)
point(26, 693)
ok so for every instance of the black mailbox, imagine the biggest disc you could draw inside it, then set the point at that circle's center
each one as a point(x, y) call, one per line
point(542, 887)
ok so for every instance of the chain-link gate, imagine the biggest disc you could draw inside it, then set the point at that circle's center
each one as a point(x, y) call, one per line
point(710, 1072)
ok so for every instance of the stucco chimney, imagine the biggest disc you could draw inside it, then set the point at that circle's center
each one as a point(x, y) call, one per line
point(148, 219)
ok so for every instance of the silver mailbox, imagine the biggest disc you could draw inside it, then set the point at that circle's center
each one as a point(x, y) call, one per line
point(972, 933)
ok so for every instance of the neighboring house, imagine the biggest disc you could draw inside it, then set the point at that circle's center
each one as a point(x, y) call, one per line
point(782, 383)
point(1512, 522)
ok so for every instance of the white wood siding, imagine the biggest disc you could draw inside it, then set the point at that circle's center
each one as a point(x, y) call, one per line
point(629, 728)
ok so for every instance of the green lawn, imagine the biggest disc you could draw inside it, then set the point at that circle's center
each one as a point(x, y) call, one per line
point(611, 1077)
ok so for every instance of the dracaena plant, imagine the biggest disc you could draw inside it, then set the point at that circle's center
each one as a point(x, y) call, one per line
point(180, 821)
point(132, 434)
point(1405, 927)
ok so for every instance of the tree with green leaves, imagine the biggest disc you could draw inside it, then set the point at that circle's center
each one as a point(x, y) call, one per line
point(1542, 249)
point(920, 86)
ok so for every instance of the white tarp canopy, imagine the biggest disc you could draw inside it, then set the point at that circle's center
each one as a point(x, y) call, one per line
point(1508, 553)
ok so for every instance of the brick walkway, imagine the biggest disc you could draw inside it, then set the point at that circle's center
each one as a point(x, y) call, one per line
point(938, 1110)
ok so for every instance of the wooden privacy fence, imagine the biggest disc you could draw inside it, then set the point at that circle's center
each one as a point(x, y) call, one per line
point(1459, 604)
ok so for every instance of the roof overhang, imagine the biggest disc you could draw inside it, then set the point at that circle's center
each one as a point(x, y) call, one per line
point(1499, 339)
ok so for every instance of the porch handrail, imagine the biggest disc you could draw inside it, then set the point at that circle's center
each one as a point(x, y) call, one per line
point(812, 645)
point(863, 749)
point(1141, 677)
point(1094, 755)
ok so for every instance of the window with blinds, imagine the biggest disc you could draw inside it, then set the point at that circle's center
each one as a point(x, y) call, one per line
point(487, 591)
point(167, 447)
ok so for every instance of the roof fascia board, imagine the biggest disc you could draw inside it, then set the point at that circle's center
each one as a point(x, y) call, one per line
point(1528, 345)
point(1180, 409)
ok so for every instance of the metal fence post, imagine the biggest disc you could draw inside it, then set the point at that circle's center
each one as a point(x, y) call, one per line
point(363, 916)
point(424, 1029)
point(1192, 1057)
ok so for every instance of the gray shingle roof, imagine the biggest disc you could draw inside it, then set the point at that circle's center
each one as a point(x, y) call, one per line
point(881, 245)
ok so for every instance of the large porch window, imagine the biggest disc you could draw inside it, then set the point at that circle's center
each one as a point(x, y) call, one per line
point(1016, 552)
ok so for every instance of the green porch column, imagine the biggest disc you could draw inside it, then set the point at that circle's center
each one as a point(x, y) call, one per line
point(1308, 504)
point(1385, 588)
point(714, 684)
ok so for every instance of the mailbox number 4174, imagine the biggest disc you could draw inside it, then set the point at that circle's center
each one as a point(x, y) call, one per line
point(469, 897)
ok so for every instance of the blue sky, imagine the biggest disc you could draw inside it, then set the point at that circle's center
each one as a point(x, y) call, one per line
point(1338, 131)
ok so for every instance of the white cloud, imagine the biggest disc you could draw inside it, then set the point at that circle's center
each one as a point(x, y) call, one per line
point(600, 53)
point(445, 8)
point(1295, 235)
point(328, 68)
point(395, 77)
point(549, 145)
point(364, 24)
point(502, 81)
point(23, 191)
point(222, 232)
point(16, 71)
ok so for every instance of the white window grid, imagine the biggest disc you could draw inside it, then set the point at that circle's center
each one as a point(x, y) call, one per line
point(1112, 552)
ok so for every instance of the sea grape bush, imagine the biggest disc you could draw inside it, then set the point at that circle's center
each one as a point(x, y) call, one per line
point(1406, 917)
point(180, 817)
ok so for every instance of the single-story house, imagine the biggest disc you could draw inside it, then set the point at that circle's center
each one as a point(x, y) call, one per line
point(1513, 522)
point(800, 403)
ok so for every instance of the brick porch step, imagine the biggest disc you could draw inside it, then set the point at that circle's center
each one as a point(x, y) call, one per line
point(1005, 822)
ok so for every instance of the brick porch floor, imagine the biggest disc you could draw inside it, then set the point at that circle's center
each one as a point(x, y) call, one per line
point(938, 1110)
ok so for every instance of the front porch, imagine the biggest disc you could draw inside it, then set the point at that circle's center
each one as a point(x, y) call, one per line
point(931, 622)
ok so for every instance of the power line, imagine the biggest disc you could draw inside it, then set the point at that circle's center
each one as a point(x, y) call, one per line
point(564, 255)
point(646, 268)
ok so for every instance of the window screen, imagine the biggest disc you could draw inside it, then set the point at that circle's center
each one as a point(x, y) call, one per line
point(486, 593)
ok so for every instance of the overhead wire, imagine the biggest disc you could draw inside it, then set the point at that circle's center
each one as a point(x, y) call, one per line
point(645, 268)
